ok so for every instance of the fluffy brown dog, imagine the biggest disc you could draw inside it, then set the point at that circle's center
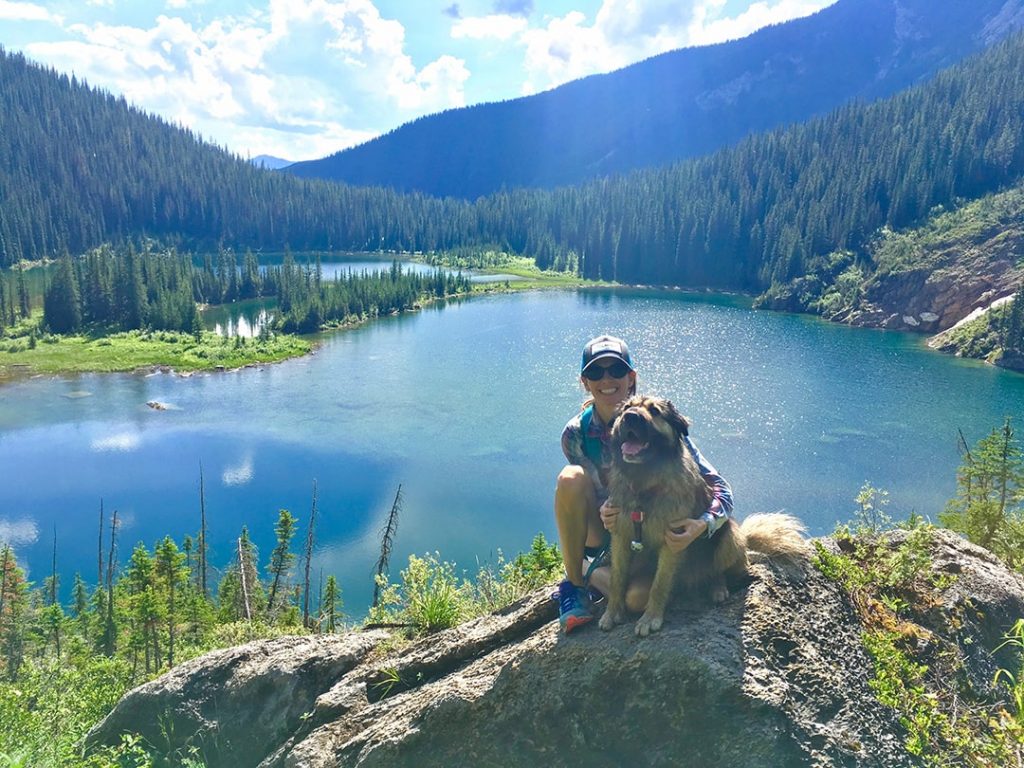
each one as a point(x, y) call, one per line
point(654, 472)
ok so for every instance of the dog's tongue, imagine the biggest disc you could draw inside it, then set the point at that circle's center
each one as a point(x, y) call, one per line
point(632, 447)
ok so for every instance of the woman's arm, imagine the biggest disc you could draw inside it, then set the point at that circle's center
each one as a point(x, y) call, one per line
point(572, 447)
point(721, 493)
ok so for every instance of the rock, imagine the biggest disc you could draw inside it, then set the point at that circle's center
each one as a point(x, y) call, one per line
point(156, 405)
point(237, 704)
point(776, 676)
point(911, 321)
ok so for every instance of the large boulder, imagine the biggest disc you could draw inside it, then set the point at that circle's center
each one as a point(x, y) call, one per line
point(777, 676)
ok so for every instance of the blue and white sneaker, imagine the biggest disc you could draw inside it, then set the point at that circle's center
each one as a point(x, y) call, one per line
point(574, 608)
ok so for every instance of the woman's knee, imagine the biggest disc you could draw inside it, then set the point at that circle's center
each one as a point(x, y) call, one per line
point(636, 597)
point(573, 482)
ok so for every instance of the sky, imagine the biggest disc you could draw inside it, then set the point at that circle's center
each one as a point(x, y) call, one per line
point(301, 79)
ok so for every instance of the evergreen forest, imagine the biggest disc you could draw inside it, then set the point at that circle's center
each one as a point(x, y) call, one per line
point(746, 217)
point(127, 288)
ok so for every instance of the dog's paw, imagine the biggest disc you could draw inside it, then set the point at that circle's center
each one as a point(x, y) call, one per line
point(719, 594)
point(609, 619)
point(648, 624)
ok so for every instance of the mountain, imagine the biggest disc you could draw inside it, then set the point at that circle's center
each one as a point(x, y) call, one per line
point(679, 104)
point(79, 167)
point(270, 162)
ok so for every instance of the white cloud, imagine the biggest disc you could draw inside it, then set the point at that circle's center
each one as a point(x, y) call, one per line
point(625, 31)
point(707, 30)
point(495, 27)
point(292, 78)
point(26, 12)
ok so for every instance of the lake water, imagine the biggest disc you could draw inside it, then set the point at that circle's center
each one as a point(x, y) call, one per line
point(246, 318)
point(463, 404)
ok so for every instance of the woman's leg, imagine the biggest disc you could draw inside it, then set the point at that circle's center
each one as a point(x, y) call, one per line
point(637, 591)
point(576, 515)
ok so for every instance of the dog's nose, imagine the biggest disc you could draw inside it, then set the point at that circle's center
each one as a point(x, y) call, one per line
point(632, 418)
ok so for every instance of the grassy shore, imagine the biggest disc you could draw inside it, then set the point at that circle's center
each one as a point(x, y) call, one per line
point(138, 349)
point(24, 350)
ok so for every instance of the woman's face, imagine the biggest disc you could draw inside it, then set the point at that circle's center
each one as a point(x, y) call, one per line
point(609, 390)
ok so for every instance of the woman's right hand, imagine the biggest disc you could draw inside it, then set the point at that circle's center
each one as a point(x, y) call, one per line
point(609, 514)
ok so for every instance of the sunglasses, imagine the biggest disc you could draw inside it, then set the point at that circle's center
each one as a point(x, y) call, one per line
point(596, 372)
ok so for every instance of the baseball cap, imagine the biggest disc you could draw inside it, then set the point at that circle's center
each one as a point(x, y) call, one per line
point(605, 348)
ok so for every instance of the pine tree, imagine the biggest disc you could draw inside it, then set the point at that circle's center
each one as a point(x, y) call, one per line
point(1014, 341)
point(310, 537)
point(989, 506)
point(172, 575)
point(240, 595)
point(330, 608)
point(13, 611)
point(281, 558)
point(62, 308)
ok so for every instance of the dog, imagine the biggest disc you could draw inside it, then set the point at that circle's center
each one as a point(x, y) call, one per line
point(655, 481)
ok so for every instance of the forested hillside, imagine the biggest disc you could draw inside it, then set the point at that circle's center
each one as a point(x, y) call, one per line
point(78, 168)
point(680, 104)
point(755, 215)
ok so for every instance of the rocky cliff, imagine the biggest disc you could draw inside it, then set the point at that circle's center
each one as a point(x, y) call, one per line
point(954, 267)
point(777, 676)
point(956, 279)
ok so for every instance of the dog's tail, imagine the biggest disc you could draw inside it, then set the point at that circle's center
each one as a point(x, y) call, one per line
point(776, 535)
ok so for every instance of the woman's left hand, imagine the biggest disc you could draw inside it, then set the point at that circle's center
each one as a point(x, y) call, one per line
point(682, 533)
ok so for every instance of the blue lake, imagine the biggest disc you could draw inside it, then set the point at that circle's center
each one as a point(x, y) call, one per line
point(463, 404)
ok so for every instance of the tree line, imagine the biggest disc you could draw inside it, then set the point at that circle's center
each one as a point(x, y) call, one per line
point(127, 288)
point(156, 609)
point(80, 167)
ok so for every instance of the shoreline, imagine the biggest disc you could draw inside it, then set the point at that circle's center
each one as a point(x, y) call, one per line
point(165, 352)
point(231, 356)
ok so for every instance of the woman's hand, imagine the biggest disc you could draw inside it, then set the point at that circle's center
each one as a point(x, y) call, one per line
point(609, 514)
point(682, 533)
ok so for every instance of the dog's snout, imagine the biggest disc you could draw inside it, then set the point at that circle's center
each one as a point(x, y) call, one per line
point(632, 418)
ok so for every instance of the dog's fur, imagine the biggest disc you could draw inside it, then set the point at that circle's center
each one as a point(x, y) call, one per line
point(653, 471)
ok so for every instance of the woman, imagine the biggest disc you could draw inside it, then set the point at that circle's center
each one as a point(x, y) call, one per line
point(582, 511)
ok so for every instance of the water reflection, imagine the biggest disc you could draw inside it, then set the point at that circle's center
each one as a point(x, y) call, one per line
point(242, 318)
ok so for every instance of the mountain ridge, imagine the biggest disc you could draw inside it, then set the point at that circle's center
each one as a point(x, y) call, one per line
point(692, 101)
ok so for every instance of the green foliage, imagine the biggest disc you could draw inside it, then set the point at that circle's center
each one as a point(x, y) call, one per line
point(540, 565)
point(59, 675)
point(1014, 682)
point(871, 517)
point(435, 598)
point(899, 683)
point(890, 579)
point(136, 349)
point(431, 596)
point(989, 505)
point(750, 216)
point(46, 713)
point(281, 559)
point(330, 606)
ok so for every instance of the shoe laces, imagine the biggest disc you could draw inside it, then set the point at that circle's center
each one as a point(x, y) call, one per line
point(568, 597)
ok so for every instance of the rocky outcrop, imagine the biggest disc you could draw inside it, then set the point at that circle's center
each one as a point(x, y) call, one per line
point(955, 282)
point(777, 676)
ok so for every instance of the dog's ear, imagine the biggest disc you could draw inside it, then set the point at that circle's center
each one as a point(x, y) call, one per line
point(679, 422)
